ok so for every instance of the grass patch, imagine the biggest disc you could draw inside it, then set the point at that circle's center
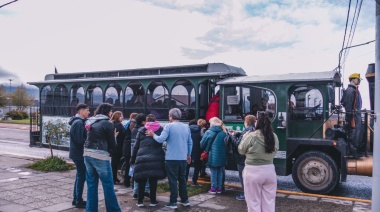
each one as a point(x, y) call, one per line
point(51, 164)
point(191, 190)
point(23, 121)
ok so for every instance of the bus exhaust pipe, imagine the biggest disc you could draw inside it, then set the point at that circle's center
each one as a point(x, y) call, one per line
point(362, 166)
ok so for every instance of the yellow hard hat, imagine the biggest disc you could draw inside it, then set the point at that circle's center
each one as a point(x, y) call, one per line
point(355, 76)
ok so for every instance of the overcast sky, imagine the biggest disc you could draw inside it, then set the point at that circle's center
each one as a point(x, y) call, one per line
point(283, 36)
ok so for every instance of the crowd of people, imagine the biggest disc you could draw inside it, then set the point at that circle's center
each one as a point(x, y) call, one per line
point(98, 143)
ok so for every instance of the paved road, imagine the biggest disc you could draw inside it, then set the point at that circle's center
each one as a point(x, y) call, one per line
point(16, 141)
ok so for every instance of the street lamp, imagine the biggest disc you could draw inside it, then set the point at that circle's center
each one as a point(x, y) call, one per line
point(9, 104)
point(9, 98)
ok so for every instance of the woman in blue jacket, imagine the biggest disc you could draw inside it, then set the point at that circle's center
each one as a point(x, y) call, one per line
point(213, 143)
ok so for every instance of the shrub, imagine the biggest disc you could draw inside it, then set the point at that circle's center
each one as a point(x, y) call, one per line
point(17, 114)
point(51, 164)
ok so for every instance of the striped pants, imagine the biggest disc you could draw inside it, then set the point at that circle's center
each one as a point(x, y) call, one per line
point(260, 184)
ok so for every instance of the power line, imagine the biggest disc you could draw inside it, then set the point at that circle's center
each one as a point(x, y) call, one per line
point(345, 31)
point(354, 22)
point(8, 3)
point(349, 34)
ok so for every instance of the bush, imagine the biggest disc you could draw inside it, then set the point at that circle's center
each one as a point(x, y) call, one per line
point(17, 114)
point(51, 163)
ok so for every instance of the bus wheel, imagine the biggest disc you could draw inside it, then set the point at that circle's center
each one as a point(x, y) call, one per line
point(315, 172)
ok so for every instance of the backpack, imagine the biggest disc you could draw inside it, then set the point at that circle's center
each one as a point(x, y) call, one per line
point(228, 144)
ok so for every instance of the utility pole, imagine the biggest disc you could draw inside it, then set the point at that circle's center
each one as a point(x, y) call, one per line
point(10, 90)
point(376, 127)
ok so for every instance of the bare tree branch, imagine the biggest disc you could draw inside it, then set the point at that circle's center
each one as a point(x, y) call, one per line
point(8, 3)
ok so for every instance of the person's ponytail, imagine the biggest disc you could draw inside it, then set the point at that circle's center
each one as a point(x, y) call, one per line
point(264, 124)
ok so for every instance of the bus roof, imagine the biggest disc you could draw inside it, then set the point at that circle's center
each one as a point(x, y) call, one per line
point(291, 77)
point(209, 69)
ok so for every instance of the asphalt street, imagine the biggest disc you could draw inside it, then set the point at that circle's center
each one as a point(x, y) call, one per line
point(16, 142)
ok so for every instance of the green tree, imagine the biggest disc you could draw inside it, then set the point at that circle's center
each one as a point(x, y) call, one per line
point(3, 96)
point(21, 98)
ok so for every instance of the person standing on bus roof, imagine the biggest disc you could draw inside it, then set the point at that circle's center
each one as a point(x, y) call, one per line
point(78, 135)
point(178, 154)
point(352, 102)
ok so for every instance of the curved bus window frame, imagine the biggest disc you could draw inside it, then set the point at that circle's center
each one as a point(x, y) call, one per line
point(309, 110)
point(255, 96)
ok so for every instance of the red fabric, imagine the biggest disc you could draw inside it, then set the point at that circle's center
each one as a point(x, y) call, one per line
point(213, 108)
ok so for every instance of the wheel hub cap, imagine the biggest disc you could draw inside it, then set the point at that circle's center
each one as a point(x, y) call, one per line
point(314, 172)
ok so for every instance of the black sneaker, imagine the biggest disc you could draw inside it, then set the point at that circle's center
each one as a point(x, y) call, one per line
point(140, 204)
point(81, 205)
point(135, 196)
point(73, 203)
point(146, 194)
point(153, 204)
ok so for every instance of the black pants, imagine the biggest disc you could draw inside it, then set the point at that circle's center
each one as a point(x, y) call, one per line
point(153, 188)
point(115, 160)
point(127, 178)
point(197, 164)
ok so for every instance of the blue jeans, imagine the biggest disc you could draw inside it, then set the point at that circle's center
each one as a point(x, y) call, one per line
point(100, 169)
point(176, 171)
point(240, 170)
point(216, 177)
point(136, 187)
point(80, 178)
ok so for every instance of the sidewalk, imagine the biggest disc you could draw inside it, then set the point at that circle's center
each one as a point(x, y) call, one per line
point(22, 189)
point(15, 126)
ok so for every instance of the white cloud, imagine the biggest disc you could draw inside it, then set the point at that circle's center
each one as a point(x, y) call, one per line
point(261, 37)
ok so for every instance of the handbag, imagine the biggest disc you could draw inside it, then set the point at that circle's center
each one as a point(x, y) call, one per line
point(204, 154)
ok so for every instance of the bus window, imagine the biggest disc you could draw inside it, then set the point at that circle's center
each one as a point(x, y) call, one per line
point(76, 97)
point(61, 100)
point(94, 96)
point(134, 98)
point(47, 100)
point(158, 102)
point(113, 94)
point(183, 97)
point(307, 105)
point(242, 101)
point(232, 103)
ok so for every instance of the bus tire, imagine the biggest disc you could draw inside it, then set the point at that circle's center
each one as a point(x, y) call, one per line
point(315, 172)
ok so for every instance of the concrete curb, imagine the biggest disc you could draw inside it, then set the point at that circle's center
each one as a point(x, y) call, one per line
point(301, 193)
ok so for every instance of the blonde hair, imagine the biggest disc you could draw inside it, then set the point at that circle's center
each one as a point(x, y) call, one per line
point(201, 122)
point(215, 121)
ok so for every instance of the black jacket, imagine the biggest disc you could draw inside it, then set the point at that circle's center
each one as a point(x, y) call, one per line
point(120, 137)
point(101, 136)
point(127, 143)
point(236, 139)
point(134, 132)
point(148, 156)
point(78, 135)
point(196, 137)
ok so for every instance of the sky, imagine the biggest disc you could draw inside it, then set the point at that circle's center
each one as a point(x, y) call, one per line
point(262, 37)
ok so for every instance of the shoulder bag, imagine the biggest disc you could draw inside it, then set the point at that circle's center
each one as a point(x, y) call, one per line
point(204, 154)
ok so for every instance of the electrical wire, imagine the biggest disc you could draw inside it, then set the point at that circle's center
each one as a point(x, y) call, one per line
point(354, 24)
point(8, 3)
point(345, 32)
